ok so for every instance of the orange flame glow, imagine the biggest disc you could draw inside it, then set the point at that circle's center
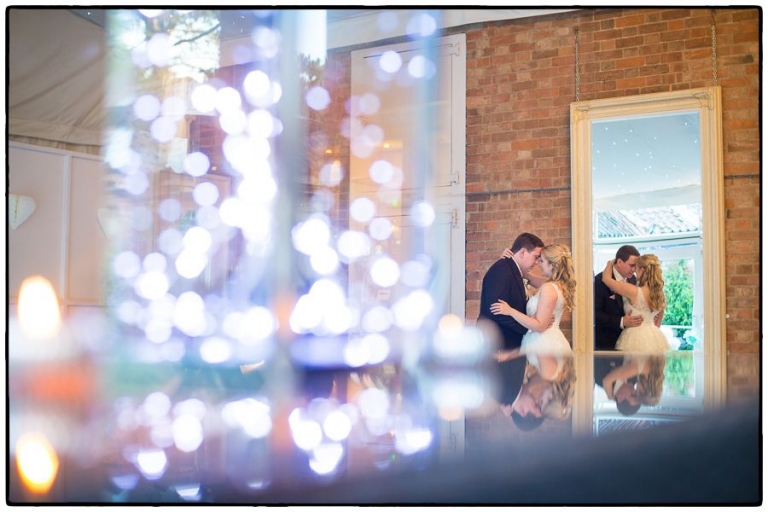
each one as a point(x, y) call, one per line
point(37, 462)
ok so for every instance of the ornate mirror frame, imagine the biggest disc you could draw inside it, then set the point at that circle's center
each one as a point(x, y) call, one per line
point(707, 101)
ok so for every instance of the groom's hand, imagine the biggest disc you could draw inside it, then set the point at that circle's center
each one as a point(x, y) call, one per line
point(632, 320)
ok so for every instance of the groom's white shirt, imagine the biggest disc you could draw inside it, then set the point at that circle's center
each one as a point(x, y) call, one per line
point(624, 300)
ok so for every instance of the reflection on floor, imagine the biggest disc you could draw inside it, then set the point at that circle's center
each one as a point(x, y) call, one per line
point(193, 433)
point(493, 427)
point(605, 426)
point(650, 389)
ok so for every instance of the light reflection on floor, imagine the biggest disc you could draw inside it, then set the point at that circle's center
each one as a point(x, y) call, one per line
point(120, 421)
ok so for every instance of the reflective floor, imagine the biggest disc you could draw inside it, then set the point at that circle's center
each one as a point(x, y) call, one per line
point(85, 426)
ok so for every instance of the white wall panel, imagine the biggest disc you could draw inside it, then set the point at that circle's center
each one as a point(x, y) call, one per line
point(62, 240)
point(37, 246)
point(87, 241)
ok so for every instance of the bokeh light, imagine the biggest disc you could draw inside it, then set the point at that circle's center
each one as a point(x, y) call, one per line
point(385, 272)
point(146, 107)
point(326, 457)
point(380, 228)
point(353, 245)
point(187, 433)
point(36, 461)
point(362, 209)
point(39, 313)
point(390, 61)
point(196, 164)
point(204, 98)
point(241, 259)
point(318, 98)
point(152, 463)
point(306, 433)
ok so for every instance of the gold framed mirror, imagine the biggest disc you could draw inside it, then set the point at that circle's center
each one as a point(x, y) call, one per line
point(671, 158)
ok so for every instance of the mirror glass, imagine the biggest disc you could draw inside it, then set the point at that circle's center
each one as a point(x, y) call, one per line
point(646, 173)
point(646, 189)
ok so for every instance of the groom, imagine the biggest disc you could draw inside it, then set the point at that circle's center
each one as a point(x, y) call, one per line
point(526, 401)
point(504, 280)
point(626, 395)
point(610, 319)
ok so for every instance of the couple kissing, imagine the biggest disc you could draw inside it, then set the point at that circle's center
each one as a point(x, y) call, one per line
point(535, 359)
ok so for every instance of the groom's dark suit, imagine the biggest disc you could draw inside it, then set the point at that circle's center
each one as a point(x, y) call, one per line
point(510, 380)
point(604, 365)
point(609, 308)
point(504, 281)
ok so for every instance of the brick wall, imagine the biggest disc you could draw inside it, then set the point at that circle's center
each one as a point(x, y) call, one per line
point(520, 83)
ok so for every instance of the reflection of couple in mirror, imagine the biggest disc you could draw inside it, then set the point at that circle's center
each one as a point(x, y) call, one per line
point(629, 309)
point(534, 347)
point(632, 380)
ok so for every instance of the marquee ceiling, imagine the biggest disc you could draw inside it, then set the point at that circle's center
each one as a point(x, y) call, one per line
point(56, 60)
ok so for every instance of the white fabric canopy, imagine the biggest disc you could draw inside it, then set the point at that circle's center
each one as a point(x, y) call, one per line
point(55, 76)
point(56, 65)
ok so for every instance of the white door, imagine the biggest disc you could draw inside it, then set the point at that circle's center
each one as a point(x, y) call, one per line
point(408, 139)
point(402, 113)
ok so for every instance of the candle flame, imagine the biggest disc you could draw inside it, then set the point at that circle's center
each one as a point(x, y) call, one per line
point(39, 313)
point(37, 462)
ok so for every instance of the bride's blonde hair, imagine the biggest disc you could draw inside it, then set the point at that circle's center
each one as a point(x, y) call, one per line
point(563, 391)
point(653, 383)
point(562, 270)
point(652, 278)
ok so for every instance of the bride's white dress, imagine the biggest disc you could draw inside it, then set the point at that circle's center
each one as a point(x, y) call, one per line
point(552, 341)
point(646, 337)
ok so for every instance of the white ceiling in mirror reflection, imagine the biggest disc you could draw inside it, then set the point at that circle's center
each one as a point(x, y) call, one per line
point(688, 194)
point(646, 161)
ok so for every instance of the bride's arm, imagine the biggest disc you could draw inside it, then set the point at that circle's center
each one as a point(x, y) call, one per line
point(624, 372)
point(627, 290)
point(547, 366)
point(658, 318)
point(542, 320)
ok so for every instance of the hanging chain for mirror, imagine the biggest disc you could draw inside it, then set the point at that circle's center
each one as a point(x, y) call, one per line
point(576, 53)
point(714, 48)
point(714, 55)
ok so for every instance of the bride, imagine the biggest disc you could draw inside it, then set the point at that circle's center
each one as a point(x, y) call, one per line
point(648, 370)
point(646, 299)
point(545, 345)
